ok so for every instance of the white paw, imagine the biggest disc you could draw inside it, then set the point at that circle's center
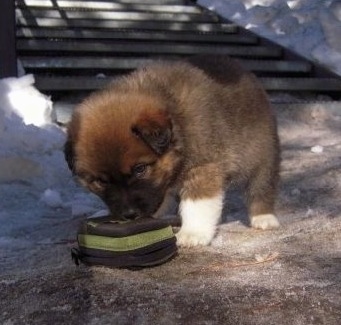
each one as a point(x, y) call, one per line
point(264, 221)
point(199, 219)
point(186, 238)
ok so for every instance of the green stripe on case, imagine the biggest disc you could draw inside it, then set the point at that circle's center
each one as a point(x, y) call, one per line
point(125, 243)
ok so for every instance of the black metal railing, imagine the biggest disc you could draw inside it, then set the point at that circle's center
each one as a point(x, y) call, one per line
point(8, 56)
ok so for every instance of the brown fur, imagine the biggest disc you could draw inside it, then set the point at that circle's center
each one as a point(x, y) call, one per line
point(198, 126)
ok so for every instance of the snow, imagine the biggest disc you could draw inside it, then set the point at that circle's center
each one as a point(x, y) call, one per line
point(311, 28)
point(34, 177)
point(317, 149)
point(19, 93)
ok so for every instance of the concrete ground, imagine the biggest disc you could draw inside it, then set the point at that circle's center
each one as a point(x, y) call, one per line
point(289, 276)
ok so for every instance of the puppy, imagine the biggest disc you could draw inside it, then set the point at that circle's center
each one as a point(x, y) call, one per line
point(192, 128)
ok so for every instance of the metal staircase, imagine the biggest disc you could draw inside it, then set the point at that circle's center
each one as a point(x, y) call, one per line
point(80, 45)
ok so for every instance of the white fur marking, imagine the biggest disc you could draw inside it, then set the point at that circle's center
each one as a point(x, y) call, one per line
point(199, 220)
point(264, 221)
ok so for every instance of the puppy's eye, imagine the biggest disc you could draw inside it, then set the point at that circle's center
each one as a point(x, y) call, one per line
point(139, 170)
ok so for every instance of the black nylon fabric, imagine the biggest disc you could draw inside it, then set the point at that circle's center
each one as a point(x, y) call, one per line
point(152, 258)
point(149, 255)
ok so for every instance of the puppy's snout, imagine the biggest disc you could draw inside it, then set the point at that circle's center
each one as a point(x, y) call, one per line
point(130, 214)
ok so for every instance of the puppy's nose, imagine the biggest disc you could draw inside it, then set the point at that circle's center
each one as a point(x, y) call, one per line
point(130, 214)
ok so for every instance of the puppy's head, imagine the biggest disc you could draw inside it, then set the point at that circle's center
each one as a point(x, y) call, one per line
point(122, 147)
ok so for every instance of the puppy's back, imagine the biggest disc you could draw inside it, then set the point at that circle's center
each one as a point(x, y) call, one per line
point(214, 103)
point(221, 68)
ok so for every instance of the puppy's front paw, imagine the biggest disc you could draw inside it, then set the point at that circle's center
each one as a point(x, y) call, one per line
point(264, 221)
point(199, 220)
point(186, 238)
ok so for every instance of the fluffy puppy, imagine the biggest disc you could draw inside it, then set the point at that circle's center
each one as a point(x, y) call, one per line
point(192, 128)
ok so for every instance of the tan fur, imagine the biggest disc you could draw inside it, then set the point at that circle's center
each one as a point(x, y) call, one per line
point(212, 115)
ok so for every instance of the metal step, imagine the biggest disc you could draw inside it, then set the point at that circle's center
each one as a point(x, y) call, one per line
point(165, 36)
point(118, 63)
point(64, 110)
point(127, 2)
point(333, 106)
point(111, 15)
point(270, 84)
point(147, 2)
point(126, 24)
point(150, 2)
point(109, 5)
point(302, 84)
point(125, 48)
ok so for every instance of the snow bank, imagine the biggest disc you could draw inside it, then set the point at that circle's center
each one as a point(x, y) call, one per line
point(311, 28)
point(30, 142)
point(32, 164)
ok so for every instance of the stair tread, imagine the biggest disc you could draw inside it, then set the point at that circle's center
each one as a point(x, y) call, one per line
point(90, 83)
point(41, 32)
point(64, 109)
point(150, 48)
point(127, 24)
point(302, 84)
point(110, 5)
point(112, 63)
point(149, 2)
point(112, 15)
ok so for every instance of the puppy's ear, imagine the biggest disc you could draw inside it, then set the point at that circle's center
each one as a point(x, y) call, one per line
point(155, 129)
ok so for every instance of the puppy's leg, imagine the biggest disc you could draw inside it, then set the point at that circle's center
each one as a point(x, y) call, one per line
point(200, 206)
point(199, 219)
point(261, 194)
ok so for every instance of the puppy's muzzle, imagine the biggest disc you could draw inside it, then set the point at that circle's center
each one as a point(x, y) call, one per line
point(130, 214)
